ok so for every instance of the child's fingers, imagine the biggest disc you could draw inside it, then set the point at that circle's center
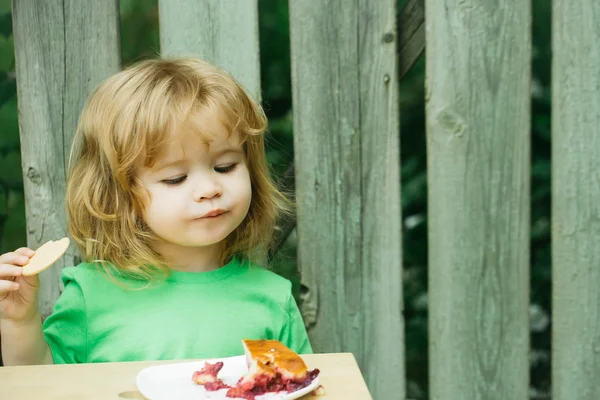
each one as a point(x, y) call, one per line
point(26, 251)
point(10, 270)
point(8, 286)
point(14, 258)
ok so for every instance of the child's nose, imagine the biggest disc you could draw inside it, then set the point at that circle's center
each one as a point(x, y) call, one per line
point(207, 190)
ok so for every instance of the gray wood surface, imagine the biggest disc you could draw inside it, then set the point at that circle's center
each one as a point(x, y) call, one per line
point(63, 49)
point(478, 146)
point(411, 46)
point(576, 200)
point(346, 132)
point(224, 32)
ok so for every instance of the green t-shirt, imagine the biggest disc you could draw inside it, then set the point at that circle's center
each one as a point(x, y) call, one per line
point(190, 315)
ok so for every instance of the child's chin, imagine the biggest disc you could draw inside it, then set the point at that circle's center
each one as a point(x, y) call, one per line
point(206, 242)
point(200, 238)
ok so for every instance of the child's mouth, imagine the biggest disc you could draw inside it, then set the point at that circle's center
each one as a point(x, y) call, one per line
point(213, 214)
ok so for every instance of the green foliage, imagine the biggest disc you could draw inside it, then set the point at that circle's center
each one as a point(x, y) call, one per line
point(139, 30)
point(5, 7)
point(276, 84)
point(7, 50)
point(12, 204)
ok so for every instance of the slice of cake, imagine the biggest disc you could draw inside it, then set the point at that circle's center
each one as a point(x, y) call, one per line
point(272, 367)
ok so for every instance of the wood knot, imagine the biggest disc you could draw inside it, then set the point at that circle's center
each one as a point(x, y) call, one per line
point(34, 176)
point(451, 122)
point(388, 37)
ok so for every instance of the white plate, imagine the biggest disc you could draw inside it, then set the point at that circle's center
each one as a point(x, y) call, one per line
point(174, 381)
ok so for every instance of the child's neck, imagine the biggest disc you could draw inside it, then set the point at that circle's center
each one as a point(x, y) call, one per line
point(192, 259)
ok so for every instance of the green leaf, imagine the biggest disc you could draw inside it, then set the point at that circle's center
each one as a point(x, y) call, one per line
point(10, 165)
point(5, 7)
point(14, 229)
point(8, 88)
point(7, 54)
point(9, 135)
point(126, 6)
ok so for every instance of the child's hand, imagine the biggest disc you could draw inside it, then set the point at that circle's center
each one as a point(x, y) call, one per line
point(18, 293)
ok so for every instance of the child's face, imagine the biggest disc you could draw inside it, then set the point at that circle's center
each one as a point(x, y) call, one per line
point(199, 192)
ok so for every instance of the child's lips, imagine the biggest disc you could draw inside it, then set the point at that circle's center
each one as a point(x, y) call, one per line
point(213, 214)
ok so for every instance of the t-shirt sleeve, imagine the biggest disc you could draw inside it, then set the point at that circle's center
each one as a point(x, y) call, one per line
point(65, 329)
point(293, 333)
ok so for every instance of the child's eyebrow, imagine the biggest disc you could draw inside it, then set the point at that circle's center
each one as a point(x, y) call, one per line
point(167, 163)
point(228, 150)
point(174, 163)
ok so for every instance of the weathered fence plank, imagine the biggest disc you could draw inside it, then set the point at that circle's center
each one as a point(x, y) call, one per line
point(478, 117)
point(224, 32)
point(576, 200)
point(346, 132)
point(411, 45)
point(63, 49)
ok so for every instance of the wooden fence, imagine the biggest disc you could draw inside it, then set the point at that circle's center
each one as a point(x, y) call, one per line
point(345, 70)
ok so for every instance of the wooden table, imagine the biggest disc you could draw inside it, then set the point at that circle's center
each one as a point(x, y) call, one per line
point(339, 376)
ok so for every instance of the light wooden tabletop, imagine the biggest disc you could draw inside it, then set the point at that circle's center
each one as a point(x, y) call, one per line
point(340, 377)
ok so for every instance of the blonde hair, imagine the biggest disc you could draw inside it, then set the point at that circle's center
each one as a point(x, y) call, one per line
point(125, 122)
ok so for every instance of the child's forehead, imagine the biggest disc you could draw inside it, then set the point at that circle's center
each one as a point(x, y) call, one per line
point(201, 133)
point(191, 133)
point(210, 122)
point(209, 126)
point(210, 142)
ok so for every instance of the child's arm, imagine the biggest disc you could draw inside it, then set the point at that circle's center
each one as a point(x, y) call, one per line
point(20, 322)
point(23, 342)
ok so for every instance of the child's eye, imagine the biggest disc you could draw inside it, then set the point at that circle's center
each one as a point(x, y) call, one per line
point(174, 181)
point(225, 169)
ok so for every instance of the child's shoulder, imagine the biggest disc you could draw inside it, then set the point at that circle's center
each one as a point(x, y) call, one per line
point(82, 271)
point(87, 274)
point(263, 281)
point(267, 276)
